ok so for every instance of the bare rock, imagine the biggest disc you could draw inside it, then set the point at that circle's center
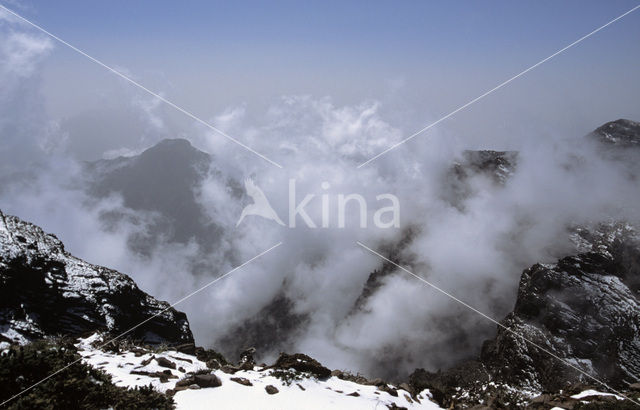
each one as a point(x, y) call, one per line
point(271, 389)
point(207, 380)
point(164, 362)
point(241, 380)
point(302, 363)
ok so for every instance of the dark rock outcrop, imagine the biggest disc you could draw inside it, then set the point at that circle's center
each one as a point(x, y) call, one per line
point(45, 291)
point(583, 309)
point(302, 363)
point(494, 166)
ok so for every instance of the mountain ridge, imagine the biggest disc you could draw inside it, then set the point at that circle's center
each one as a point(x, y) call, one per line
point(45, 291)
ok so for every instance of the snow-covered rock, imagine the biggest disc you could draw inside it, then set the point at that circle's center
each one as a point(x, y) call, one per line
point(45, 291)
point(583, 309)
point(242, 389)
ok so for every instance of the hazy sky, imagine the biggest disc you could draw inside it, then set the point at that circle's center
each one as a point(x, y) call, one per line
point(420, 60)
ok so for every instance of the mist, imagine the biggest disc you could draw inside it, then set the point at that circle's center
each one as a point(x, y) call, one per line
point(475, 249)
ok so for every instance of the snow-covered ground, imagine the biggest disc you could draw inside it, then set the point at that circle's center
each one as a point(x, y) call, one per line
point(333, 393)
point(303, 393)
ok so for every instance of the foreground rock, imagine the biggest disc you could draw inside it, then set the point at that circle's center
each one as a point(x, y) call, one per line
point(302, 363)
point(583, 309)
point(45, 291)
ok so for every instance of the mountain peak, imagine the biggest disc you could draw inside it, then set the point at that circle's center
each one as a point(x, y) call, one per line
point(177, 148)
point(173, 143)
point(621, 132)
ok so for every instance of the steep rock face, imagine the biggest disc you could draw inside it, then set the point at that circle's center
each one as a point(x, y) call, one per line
point(584, 309)
point(46, 291)
point(494, 166)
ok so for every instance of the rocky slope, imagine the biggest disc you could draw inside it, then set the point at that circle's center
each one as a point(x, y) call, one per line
point(45, 291)
point(584, 309)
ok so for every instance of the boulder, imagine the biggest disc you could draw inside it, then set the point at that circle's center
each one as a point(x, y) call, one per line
point(302, 363)
point(241, 380)
point(207, 380)
point(271, 389)
point(164, 362)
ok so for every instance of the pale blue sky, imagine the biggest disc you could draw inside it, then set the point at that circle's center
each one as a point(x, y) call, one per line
point(421, 59)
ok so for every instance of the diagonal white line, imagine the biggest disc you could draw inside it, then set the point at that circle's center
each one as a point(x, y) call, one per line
point(143, 322)
point(396, 145)
point(449, 295)
point(140, 86)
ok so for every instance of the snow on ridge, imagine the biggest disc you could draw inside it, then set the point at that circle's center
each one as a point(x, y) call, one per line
point(301, 393)
point(591, 392)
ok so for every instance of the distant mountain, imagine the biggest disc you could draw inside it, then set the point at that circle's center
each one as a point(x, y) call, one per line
point(620, 133)
point(162, 180)
point(45, 291)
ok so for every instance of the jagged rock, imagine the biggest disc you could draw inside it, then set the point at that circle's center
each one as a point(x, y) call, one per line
point(302, 363)
point(495, 166)
point(210, 356)
point(246, 359)
point(271, 389)
point(584, 309)
point(45, 291)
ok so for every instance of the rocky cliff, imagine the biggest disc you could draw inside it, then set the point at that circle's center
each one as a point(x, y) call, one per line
point(45, 291)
